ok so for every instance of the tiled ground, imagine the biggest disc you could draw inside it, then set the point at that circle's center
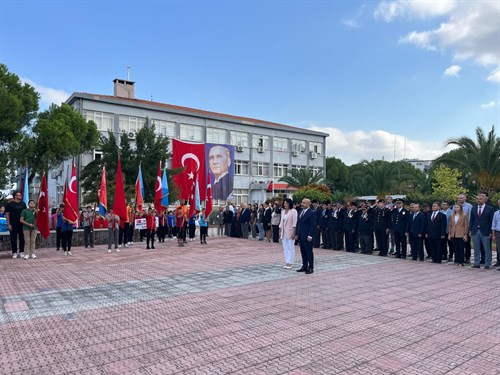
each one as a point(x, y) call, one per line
point(229, 308)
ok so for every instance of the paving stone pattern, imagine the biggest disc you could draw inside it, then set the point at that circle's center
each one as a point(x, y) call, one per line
point(230, 308)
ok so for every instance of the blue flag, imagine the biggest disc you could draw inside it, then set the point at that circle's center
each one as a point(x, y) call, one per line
point(26, 195)
point(140, 181)
point(164, 189)
point(197, 197)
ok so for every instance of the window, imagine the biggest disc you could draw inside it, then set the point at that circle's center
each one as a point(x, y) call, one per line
point(191, 133)
point(260, 141)
point(298, 167)
point(216, 135)
point(241, 168)
point(260, 169)
point(239, 139)
point(104, 121)
point(240, 196)
point(315, 147)
point(298, 146)
point(280, 144)
point(97, 155)
point(280, 170)
point(164, 128)
point(316, 169)
point(131, 124)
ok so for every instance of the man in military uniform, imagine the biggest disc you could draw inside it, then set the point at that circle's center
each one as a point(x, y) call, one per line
point(317, 233)
point(381, 226)
point(323, 225)
point(335, 227)
point(399, 222)
point(350, 226)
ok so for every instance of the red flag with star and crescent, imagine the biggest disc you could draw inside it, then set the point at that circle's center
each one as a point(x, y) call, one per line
point(158, 191)
point(71, 198)
point(191, 157)
point(42, 215)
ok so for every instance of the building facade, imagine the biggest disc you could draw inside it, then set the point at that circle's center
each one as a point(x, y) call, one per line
point(264, 151)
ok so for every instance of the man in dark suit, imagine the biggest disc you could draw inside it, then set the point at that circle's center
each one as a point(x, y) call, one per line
point(436, 231)
point(416, 231)
point(306, 228)
point(244, 220)
point(481, 219)
point(219, 159)
point(335, 227)
point(399, 223)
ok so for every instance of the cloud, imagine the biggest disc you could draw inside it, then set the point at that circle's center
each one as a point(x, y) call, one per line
point(491, 104)
point(48, 95)
point(354, 146)
point(391, 10)
point(470, 30)
point(452, 71)
point(494, 76)
point(352, 23)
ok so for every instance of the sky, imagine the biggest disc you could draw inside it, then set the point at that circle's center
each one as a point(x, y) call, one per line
point(386, 79)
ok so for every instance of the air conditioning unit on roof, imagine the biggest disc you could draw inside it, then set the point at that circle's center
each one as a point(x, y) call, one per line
point(131, 135)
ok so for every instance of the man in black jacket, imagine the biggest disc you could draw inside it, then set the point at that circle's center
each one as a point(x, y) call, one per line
point(436, 231)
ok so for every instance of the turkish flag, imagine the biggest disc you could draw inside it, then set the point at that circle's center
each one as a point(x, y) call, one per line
point(209, 203)
point(270, 186)
point(158, 191)
point(42, 216)
point(190, 156)
point(71, 198)
point(119, 204)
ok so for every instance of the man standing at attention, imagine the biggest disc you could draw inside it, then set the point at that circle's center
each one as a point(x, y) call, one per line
point(13, 212)
point(481, 220)
point(495, 232)
point(244, 220)
point(467, 208)
point(306, 229)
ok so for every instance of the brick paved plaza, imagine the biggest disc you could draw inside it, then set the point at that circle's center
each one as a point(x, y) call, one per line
point(229, 308)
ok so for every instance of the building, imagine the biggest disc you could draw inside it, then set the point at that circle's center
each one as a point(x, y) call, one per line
point(265, 150)
point(423, 165)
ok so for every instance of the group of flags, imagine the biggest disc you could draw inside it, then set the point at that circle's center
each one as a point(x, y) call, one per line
point(70, 196)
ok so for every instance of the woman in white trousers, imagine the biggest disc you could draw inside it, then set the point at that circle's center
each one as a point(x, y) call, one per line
point(287, 226)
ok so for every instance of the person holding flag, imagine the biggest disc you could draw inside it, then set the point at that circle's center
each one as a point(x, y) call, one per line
point(28, 219)
point(42, 217)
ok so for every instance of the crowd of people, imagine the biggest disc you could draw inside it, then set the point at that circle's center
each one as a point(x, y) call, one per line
point(441, 231)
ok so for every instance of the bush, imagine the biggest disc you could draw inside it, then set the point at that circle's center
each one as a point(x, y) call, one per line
point(316, 191)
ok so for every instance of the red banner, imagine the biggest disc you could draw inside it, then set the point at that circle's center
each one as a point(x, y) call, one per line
point(190, 156)
point(119, 204)
point(71, 198)
point(139, 202)
point(42, 216)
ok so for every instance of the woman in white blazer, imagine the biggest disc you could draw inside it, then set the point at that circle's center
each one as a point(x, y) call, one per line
point(287, 226)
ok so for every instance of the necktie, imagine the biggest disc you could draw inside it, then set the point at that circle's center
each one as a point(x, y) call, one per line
point(433, 216)
point(302, 213)
point(479, 211)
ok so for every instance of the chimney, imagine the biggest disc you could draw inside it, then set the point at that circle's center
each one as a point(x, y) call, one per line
point(123, 88)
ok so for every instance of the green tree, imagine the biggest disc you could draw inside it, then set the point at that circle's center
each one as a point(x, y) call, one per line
point(18, 108)
point(149, 150)
point(59, 133)
point(478, 158)
point(377, 177)
point(313, 191)
point(337, 174)
point(302, 177)
point(446, 183)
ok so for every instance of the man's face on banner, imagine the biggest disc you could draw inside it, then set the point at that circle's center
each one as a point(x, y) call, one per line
point(219, 160)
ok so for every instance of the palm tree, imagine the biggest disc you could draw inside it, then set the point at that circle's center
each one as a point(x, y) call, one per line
point(302, 177)
point(480, 159)
point(379, 177)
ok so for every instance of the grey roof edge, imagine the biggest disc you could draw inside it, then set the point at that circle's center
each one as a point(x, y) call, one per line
point(187, 111)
